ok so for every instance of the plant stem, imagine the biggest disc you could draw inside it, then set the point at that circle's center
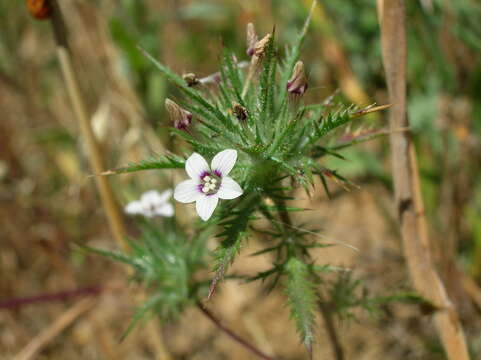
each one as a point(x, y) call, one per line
point(107, 197)
point(250, 75)
point(231, 334)
point(283, 213)
point(59, 296)
point(331, 331)
point(96, 162)
point(323, 307)
point(392, 18)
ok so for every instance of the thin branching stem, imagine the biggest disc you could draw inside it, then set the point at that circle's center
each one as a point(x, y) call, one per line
point(232, 334)
point(16, 303)
point(331, 331)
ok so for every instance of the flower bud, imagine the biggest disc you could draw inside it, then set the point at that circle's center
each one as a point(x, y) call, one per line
point(261, 45)
point(240, 112)
point(297, 84)
point(191, 79)
point(40, 9)
point(252, 39)
point(180, 117)
point(211, 79)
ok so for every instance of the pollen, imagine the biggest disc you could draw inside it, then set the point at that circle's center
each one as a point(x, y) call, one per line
point(210, 184)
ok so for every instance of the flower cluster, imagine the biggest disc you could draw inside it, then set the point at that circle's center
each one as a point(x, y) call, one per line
point(207, 184)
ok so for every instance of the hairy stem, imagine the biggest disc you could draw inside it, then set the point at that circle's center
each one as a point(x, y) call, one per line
point(283, 213)
point(250, 75)
point(231, 334)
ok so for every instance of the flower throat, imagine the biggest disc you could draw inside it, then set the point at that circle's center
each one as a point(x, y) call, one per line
point(210, 183)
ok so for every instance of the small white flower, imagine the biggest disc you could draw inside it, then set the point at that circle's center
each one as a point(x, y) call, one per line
point(208, 184)
point(152, 203)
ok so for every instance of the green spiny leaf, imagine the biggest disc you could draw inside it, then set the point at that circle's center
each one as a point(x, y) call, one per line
point(267, 87)
point(332, 121)
point(193, 94)
point(230, 74)
point(116, 256)
point(155, 162)
point(235, 230)
point(302, 299)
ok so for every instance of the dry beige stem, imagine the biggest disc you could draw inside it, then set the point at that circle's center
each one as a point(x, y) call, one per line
point(96, 162)
point(406, 184)
point(472, 289)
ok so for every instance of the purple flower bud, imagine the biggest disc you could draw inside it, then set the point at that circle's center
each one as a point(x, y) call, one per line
point(297, 84)
point(180, 117)
point(252, 39)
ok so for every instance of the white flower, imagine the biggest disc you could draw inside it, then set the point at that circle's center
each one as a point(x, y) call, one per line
point(151, 204)
point(207, 184)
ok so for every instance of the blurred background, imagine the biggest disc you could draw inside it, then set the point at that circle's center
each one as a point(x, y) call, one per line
point(48, 202)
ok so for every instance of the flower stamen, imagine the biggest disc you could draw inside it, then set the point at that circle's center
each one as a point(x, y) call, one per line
point(210, 184)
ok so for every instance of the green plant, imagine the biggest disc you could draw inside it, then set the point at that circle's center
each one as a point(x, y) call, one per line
point(270, 144)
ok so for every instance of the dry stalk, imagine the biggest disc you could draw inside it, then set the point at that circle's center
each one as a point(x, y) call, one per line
point(96, 162)
point(472, 289)
point(109, 203)
point(407, 187)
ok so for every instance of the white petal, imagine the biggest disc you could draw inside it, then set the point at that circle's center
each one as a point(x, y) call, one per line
point(166, 210)
point(187, 191)
point(148, 213)
point(224, 161)
point(165, 196)
point(134, 208)
point(229, 189)
point(195, 166)
point(150, 197)
point(205, 206)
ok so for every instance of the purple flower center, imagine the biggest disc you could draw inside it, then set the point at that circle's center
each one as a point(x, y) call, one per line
point(210, 182)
